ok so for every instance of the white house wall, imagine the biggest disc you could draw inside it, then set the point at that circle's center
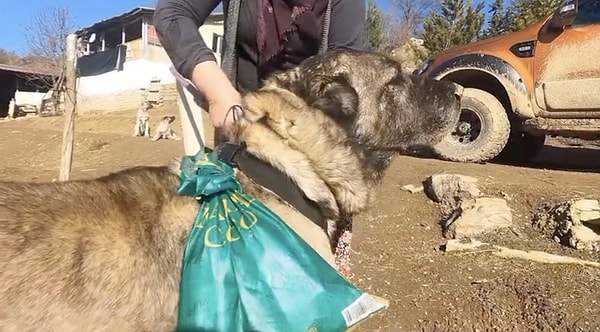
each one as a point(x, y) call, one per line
point(136, 74)
point(207, 31)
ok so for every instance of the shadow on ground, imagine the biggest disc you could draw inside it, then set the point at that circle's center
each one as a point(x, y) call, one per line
point(565, 158)
point(558, 155)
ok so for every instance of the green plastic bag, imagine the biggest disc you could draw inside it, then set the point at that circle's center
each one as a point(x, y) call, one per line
point(245, 269)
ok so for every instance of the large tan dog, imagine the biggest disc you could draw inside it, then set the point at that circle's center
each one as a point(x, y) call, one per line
point(105, 254)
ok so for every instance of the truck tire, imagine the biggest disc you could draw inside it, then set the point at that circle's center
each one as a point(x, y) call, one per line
point(481, 132)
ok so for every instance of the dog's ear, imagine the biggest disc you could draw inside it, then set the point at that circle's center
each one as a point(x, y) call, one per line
point(334, 96)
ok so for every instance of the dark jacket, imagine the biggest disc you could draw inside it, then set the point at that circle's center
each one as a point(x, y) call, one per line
point(177, 23)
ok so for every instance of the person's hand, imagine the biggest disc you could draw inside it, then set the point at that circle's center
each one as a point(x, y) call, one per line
point(225, 110)
point(221, 95)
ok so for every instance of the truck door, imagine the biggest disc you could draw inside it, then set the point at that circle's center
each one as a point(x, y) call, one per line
point(567, 63)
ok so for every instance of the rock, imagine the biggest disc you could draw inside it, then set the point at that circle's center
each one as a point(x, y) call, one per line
point(459, 245)
point(582, 238)
point(574, 223)
point(478, 216)
point(451, 189)
point(410, 54)
point(505, 252)
point(412, 188)
point(505, 196)
point(586, 211)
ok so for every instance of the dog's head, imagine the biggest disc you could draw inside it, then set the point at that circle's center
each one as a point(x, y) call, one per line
point(168, 119)
point(383, 110)
point(334, 123)
point(145, 105)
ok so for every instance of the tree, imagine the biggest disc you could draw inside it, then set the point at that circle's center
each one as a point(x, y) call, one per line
point(413, 12)
point(396, 32)
point(458, 23)
point(9, 57)
point(374, 26)
point(526, 12)
point(405, 20)
point(46, 38)
point(500, 20)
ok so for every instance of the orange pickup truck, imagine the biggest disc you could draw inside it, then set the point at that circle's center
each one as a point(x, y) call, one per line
point(522, 86)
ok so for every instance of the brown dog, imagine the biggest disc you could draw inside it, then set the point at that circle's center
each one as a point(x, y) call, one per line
point(105, 254)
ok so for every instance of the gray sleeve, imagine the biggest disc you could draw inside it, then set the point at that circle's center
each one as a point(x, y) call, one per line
point(347, 25)
point(177, 23)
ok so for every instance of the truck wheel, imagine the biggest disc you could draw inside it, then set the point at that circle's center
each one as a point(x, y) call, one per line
point(481, 132)
point(521, 147)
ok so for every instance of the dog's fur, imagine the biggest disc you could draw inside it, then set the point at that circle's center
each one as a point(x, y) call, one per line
point(352, 112)
point(105, 254)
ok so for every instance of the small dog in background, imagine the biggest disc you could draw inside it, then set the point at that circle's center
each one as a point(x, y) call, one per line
point(142, 120)
point(164, 130)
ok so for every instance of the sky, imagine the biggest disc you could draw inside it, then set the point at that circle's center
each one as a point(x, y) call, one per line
point(17, 15)
point(84, 13)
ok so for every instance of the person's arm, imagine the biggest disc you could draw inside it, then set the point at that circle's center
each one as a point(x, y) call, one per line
point(177, 23)
point(347, 24)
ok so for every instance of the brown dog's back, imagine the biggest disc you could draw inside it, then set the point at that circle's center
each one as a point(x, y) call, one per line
point(94, 255)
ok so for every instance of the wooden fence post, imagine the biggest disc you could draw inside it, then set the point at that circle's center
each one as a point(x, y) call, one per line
point(66, 159)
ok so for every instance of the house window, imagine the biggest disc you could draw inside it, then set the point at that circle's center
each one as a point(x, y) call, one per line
point(217, 43)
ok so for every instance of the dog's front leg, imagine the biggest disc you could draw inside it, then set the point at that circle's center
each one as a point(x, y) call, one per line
point(147, 128)
point(136, 128)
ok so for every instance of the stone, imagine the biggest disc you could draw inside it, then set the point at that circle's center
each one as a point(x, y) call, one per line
point(583, 238)
point(586, 211)
point(412, 188)
point(450, 189)
point(574, 223)
point(473, 245)
point(478, 216)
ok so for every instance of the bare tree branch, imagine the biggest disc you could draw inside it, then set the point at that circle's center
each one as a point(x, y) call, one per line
point(46, 38)
point(10, 58)
point(396, 32)
point(405, 19)
point(412, 13)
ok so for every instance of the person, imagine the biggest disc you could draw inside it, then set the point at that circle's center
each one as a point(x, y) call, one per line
point(272, 35)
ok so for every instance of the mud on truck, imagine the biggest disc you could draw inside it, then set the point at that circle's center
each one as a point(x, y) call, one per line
point(525, 85)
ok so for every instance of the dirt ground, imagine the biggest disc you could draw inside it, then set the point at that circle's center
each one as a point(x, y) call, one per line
point(396, 244)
